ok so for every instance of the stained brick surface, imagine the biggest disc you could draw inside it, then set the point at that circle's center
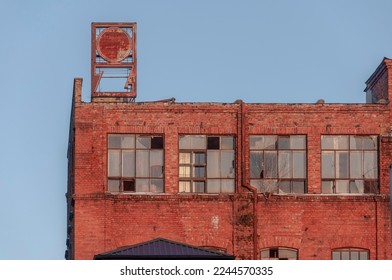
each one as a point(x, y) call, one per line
point(312, 223)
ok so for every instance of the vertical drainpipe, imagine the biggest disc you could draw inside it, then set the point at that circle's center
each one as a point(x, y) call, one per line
point(244, 175)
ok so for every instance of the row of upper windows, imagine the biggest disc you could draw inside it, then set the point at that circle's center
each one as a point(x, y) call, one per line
point(284, 253)
point(278, 164)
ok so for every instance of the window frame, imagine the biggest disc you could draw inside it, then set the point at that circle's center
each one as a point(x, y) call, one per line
point(209, 145)
point(123, 179)
point(369, 185)
point(277, 150)
point(277, 248)
point(350, 250)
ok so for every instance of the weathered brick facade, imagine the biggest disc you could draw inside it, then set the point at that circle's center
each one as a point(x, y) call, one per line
point(313, 223)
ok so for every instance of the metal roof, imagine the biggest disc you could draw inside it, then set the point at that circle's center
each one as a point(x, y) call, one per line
point(160, 249)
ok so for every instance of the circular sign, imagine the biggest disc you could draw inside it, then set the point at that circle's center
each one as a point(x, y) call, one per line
point(114, 44)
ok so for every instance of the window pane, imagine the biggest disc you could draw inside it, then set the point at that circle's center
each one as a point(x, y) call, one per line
point(298, 142)
point(114, 141)
point(113, 185)
point(184, 171)
point(270, 186)
point(199, 172)
point(227, 143)
point(298, 186)
point(283, 142)
point(213, 186)
point(284, 187)
point(345, 255)
point(285, 169)
point(199, 158)
point(370, 186)
point(213, 166)
point(356, 165)
point(287, 254)
point(198, 142)
point(341, 164)
point(264, 254)
point(327, 187)
point(270, 164)
point(227, 186)
point(142, 185)
point(328, 165)
point(354, 255)
point(336, 255)
point(299, 164)
point(227, 164)
point(185, 186)
point(185, 158)
point(156, 185)
point(334, 142)
point(114, 163)
point(370, 169)
point(156, 163)
point(213, 143)
point(142, 163)
point(256, 164)
point(199, 187)
point(157, 142)
point(185, 142)
point(363, 255)
point(143, 142)
point(263, 142)
point(128, 163)
point(356, 186)
point(363, 142)
point(342, 186)
point(128, 142)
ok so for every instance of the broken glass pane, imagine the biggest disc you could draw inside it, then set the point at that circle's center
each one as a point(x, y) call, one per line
point(227, 164)
point(143, 142)
point(270, 164)
point(213, 143)
point(263, 142)
point(156, 142)
point(256, 164)
point(129, 186)
point(370, 163)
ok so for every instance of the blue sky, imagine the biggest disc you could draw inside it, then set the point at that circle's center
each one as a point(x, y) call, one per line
point(215, 51)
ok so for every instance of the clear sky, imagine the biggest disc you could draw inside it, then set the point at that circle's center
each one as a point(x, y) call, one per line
point(259, 51)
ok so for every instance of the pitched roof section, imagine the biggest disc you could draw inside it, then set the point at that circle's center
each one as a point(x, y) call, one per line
point(162, 249)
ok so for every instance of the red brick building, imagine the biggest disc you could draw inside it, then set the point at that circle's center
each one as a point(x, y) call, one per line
point(257, 181)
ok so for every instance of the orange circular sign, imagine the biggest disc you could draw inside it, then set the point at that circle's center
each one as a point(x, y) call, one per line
point(114, 44)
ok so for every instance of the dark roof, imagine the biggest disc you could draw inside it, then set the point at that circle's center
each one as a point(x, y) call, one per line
point(162, 249)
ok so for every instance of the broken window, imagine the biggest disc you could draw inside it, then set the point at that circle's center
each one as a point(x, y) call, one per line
point(279, 253)
point(350, 254)
point(206, 164)
point(135, 163)
point(278, 163)
point(349, 164)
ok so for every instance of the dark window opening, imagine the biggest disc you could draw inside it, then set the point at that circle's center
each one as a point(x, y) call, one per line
point(213, 143)
point(129, 185)
point(156, 142)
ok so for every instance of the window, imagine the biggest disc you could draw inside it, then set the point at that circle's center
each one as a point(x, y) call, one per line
point(206, 164)
point(135, 163)
point(349, 164)
point(350, 254)
point(278, 163)
point(279, 253)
